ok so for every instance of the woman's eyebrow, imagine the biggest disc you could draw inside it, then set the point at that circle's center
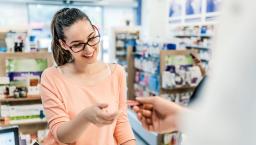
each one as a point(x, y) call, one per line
point(81, 40)
point(90, 34)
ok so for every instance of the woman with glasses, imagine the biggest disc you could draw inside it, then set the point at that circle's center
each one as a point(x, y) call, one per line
point(84, 99)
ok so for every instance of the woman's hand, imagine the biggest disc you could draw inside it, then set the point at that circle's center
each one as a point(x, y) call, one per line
point(100, 115)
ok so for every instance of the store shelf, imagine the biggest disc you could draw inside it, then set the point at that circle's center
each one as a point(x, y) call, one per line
point(139, 53)
point(145, 55)
point(144, 71)
point(121, 55)
point(199, 47)
point(25, 122)
point(146, 88)
point(197, 16)
point(204, 60)
point(179, 88)
point(23, 55)
point(188, 36)
point(213, 14)
point(29, 98)
point(175, 19)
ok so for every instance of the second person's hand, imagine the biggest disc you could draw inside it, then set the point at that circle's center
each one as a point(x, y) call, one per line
point(157, 114)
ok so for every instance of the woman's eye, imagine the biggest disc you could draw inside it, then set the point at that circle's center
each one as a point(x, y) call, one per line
point(78, 45)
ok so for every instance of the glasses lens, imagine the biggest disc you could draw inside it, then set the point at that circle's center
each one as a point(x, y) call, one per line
point(94, 40)
point(78, 47)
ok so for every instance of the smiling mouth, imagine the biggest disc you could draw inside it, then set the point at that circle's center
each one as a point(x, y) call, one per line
point(88, 55)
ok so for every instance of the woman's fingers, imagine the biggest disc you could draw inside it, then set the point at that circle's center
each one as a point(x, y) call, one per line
point(107, 122)
point(106, 115)
point(106, 119)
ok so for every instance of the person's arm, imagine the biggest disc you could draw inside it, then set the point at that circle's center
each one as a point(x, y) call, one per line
point(92, 114)
point(198, 63)
point(123, 132)
point(202, 69)
point(76, 126)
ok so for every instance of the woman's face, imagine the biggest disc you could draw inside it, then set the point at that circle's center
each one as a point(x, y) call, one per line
point(82, 41)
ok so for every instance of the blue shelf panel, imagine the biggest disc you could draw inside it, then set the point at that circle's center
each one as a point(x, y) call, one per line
point(149, 137)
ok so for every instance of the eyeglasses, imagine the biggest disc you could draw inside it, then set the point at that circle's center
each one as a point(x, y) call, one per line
point(91, 42)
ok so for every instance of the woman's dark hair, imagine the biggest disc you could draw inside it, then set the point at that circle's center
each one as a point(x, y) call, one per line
point(64, 18)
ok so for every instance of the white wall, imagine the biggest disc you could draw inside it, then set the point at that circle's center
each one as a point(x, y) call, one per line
point(13, 17)
point(154, 19)
point(114, 18)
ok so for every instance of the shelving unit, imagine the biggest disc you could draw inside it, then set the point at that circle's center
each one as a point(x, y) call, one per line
point(123, 44)
point(20, 55)
point(28, 98)
point(27, 123)
point(198, 47)
point(28, 126)
point(158, 72)
point(174, 94)
point(163, 54)
point(177, 89)
point(195, 37)
point(145, 79)
point(188, 36)
point(143, 82)
point(124, 39)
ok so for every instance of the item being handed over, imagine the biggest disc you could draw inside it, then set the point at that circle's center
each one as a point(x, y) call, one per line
point(99, 115)
point(157, 114)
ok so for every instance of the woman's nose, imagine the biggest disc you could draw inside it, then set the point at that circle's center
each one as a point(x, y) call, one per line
point(88, 49)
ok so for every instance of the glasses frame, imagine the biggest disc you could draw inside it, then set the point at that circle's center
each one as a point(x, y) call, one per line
point(86, 43)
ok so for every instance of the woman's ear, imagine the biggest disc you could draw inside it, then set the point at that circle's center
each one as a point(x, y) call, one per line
point(62, 44)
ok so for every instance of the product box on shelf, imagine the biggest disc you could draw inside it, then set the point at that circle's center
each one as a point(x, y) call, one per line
point(123, 40)
point(22, 113)
point(4, 86)
point(196, 37)
point(24, 75)
point(179, 72)
point(147, 66)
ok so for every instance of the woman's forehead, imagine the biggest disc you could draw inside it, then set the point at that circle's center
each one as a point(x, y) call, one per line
point(78, 31)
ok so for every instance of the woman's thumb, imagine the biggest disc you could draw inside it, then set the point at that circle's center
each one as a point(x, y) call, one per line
point(102, 105)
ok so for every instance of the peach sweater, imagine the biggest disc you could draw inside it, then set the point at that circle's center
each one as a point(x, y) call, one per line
point(63, 100)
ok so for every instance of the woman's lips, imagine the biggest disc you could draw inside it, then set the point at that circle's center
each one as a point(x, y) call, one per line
point(88, 55)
